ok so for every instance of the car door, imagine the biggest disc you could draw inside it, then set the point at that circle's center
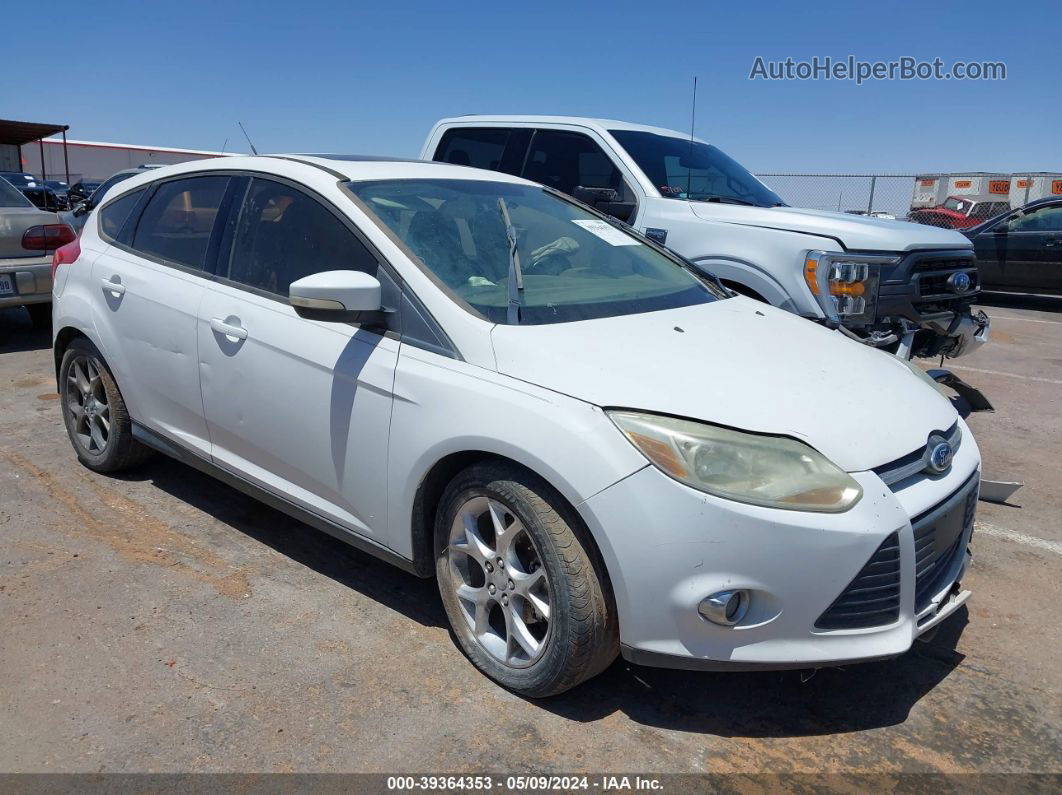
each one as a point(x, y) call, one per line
point(150, 282)
point(1030, 247)
point(300, 407)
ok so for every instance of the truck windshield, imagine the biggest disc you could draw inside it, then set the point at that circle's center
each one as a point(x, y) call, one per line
point(575, 265)
point(694, 171)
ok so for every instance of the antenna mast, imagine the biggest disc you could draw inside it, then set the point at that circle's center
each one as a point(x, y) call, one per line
point(693, 119)
point(245, 135)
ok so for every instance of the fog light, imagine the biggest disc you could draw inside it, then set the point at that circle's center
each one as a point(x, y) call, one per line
point(726, 608)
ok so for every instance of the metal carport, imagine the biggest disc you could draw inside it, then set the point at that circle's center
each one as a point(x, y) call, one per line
point(17, 133)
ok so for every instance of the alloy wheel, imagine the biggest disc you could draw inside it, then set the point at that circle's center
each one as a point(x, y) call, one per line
point(501, 585)
point(86, 402)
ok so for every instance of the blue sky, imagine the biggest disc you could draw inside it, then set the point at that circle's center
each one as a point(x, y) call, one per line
point(337, 76)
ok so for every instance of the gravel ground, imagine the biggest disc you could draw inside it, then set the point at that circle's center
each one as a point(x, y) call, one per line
point(164, 622)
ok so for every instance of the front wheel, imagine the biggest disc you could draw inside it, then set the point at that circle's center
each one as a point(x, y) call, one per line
point(522, 592)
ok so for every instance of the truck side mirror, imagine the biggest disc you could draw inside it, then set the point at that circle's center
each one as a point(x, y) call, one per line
point(607, 200)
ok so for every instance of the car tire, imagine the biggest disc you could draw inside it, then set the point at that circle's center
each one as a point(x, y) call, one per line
point(94, 412)
point(530, 607)
point(40, 316)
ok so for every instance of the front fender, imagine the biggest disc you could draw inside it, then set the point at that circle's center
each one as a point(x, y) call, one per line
point(750, 275)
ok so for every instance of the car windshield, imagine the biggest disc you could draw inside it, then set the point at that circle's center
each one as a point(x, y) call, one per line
point(575, 266)
point(956, 205)
point(684, 169)
point(10, 196)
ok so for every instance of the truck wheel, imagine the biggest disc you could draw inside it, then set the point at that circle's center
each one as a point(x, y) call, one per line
point(96, 419)
point(523, 596)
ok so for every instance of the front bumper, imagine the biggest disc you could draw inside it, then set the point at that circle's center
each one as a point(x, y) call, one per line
point(925, 301)
point(667, 547)
point(32, 277)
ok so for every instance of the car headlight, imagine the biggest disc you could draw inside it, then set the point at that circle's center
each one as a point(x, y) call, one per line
point(773, 471)
point(844, 285)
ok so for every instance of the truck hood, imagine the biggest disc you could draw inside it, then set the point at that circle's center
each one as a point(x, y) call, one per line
point(739, 363)
point(855, 232)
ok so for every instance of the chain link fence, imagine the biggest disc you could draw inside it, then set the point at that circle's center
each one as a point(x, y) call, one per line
point(954, 200)
point(855, 193)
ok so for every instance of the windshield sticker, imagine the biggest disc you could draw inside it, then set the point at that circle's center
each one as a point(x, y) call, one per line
point(606, 232)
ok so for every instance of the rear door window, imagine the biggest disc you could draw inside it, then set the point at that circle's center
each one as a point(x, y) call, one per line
point(493, 148)
point(114, 214)
point(178, 220)
point(284, 234)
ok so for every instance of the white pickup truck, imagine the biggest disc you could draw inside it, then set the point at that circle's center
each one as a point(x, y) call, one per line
point(903, 287)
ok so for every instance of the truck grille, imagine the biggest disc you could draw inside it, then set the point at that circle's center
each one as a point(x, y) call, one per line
point(938, 537)
point(873, 597)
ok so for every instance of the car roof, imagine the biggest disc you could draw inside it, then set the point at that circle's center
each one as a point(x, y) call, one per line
point(603, 126)
point(355, 168)
point(1041, 202)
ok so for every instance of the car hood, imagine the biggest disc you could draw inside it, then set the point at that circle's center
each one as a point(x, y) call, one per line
point(739, 363)
point(855, 232)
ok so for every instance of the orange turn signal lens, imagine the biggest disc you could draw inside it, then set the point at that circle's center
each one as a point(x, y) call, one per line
point(660, 453)
point(810, 266)
point(854, 289)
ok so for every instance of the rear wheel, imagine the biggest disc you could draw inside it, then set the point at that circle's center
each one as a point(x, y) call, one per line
point(522, 592)
point(96, 419)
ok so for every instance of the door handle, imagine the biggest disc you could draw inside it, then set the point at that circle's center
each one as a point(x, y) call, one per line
point(1053, 242)
point(221, 327)
point(112, 286)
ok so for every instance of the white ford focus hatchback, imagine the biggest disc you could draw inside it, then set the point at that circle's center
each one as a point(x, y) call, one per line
point(592, 448)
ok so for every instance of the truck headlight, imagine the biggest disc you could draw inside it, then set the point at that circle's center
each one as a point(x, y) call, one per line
point(773, 471)
point(844, 285)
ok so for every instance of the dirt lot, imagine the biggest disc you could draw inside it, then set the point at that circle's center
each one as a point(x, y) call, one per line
point(164, 622)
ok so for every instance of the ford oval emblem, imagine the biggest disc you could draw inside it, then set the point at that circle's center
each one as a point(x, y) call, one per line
point(940, 458)
point(959, 282)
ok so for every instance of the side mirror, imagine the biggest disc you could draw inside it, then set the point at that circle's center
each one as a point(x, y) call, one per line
point(607, 200)
point(341, 296)
point(81, 209)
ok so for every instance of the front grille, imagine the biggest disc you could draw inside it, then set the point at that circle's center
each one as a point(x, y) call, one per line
point(939, 536)
point(873, 597)
point(935, 285)
point(917, 460)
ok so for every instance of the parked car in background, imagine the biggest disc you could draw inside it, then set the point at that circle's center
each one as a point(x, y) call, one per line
point(593, 447)
point(81, 190)
point(874, 214)
point(43, 197)
point(884, 282)
point(958, 213)
point(28, 236)
point(20, 179)
point(79, 212)
point(61, 191)
point(1021, 251)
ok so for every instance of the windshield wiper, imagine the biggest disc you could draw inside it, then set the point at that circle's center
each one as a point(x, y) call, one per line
point(516, 276)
